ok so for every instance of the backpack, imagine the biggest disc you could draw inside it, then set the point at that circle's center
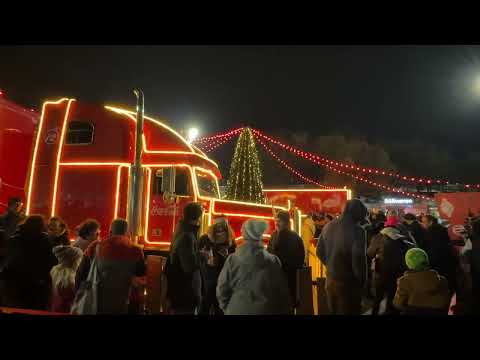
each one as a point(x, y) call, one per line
point(86, 298)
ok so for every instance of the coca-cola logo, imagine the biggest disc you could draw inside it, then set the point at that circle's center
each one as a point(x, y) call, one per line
point(447, 207)
point(51, 136)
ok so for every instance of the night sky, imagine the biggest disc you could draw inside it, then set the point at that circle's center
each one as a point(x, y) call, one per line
point(383, 93)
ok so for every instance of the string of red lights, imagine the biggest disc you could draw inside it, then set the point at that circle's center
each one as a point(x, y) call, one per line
point(218, 136)
point(362, 179)
point(354, 167)
point(290, 168)
point(217, 143)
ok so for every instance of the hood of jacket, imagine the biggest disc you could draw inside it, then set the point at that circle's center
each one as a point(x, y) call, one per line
point(355, 210)
point(252, 253)
point(392, 233)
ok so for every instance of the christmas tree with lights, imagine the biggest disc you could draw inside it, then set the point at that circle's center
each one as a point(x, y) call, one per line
point(245, 178)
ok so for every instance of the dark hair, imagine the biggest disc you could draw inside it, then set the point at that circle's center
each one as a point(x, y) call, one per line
point(318, 217)
point(431, 219)
point(119, 227)
point(33, 225)
point(409, 217)
point(283, 215)
point(193, 211)
point(220, 226)
point(330, 217)
point(14, 201)
point(87, 227)
point(60, 220)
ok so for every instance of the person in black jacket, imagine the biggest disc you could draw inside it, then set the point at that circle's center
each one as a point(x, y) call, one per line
point(215, 246)
point(26, 273)
point(183, 265)
point(440, 251)
point(10, 220)
point(415, 229)
point(289, 248)
point(342, 249)
point(57, 232)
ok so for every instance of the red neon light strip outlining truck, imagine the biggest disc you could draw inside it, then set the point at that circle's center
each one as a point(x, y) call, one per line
point(83, 160)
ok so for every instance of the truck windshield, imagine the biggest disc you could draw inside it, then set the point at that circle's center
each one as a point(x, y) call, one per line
point(207, 186)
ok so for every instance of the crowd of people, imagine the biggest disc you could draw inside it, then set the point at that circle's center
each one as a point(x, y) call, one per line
point(407, 262)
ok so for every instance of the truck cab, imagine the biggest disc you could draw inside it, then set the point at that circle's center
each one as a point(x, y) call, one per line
point(80, 168)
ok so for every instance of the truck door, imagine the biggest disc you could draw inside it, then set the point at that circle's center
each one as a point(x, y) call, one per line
point(163, 212)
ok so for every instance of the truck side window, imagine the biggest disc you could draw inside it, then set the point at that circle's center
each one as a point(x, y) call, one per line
point(182, 182)
point(79, 133)
point(157, 182)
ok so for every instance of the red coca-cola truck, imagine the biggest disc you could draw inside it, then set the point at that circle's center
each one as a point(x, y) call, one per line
point(310, 200)
point(17, 128)
point(79, 161)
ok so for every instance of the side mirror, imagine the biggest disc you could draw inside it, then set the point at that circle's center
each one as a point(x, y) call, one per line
point(168, 180)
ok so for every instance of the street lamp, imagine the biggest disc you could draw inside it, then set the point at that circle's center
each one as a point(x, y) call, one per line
point(192, 134)
point(476, 85)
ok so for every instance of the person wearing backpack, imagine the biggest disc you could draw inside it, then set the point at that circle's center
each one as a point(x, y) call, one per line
point(387, 250)
point(118, 262)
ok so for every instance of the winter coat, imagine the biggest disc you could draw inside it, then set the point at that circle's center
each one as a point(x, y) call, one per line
point(9, 222)
point(62, 299)
point(422, 290)
point(440, 252)
point(220, 250)
point(388, 248)
point(342, 246)
point(26, 271)
point(418, 233)
point(184, 277)
point(308, 235)
point(81, 243)
point(288, 246)
point(252, 283)
point(118, 263)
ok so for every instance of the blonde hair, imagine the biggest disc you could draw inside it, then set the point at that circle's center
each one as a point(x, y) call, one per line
point(63, 277)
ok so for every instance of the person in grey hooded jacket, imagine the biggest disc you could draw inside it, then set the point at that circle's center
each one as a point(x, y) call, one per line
point(342, 249)
point(252, 281)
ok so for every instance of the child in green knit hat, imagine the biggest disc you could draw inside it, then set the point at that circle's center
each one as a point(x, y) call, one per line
point(417, 259)
point(421, 290)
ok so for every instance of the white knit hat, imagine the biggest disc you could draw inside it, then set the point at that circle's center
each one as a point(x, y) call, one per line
point(252, 230)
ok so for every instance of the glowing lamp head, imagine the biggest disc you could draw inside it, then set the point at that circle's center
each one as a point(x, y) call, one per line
point(476, 85)
point(192, 134)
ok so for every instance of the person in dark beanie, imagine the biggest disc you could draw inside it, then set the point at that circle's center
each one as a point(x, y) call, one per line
point(289, 248)
point(440, 250)
point(183, 264)
point(342, 249)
